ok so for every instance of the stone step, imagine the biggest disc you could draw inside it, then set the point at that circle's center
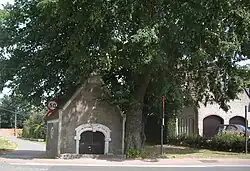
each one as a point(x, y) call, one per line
point(92, 156)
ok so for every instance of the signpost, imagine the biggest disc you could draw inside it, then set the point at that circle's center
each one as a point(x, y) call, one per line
point(52, 105)
point(162, 125)
point(246, 135)
point(247, 109)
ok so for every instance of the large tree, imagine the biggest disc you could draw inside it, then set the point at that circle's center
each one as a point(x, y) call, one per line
point(186, 50)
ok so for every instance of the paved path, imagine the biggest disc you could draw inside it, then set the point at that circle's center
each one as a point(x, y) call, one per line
point(25, 150)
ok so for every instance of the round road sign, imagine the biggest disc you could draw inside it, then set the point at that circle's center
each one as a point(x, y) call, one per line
point(52, 105)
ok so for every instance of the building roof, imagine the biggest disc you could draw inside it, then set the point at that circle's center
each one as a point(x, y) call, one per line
point(92, 79)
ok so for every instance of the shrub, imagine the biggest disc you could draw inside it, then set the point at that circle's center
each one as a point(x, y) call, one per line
point(228, 142)
point(133, 153)
point(188, 140)
point(171, 126)
point(34, 127)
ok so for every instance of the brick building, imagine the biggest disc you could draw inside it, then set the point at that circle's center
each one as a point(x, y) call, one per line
point(86, 124)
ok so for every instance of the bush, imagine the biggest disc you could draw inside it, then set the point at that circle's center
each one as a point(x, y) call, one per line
point(195, 141)
point(133, 153)
point(221, 142)
point(171, 126)
point(34, 127)
point(228, 142)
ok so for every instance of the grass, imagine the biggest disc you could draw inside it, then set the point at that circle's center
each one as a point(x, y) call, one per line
point(186, 152)
point(6, 145)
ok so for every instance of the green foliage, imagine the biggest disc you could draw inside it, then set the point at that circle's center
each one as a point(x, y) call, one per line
point(228, 142)
point(34, 127)
point(54, 48)
point(187, 50)
point(191, 140)
point(221, 142)
point(171, 127)
point(135, 153)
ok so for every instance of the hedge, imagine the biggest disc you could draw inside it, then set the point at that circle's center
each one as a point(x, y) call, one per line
point(221, 142)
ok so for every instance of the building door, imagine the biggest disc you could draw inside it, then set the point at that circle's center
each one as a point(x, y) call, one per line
point(210, 125)
point(237, 120)
point(91, 143)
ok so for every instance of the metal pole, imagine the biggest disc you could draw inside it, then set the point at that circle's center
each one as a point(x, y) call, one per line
point(246, 126)
point(162, 126)
point(15, 124)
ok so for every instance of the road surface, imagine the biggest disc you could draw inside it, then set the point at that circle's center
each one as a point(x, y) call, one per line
point(25, 159)
point(9, 167)
point(25, 149)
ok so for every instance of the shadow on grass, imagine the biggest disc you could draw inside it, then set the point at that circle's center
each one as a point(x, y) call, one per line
point(156, 149)
point(4, 151)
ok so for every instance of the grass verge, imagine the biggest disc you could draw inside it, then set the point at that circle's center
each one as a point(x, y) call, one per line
point(187, 152)
point(6, 145)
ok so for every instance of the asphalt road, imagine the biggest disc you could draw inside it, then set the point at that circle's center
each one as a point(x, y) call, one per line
point(8, 167)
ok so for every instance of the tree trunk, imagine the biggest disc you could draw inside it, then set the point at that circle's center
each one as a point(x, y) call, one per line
point(135, 136)
point(144, 121)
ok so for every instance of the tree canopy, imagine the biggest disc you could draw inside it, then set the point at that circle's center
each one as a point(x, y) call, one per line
point(187, 50)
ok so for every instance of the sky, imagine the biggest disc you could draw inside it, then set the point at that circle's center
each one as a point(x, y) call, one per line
point(5, 1)
point(7, 91)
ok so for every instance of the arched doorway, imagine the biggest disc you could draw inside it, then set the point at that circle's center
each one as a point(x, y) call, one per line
point(91, 143)
point(237, 120)
point(92, 136)
point(210, 125)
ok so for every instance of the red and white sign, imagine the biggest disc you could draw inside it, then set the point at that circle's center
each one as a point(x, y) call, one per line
point(52, 105)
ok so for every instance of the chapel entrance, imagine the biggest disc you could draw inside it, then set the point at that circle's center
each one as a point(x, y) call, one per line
point(91, 143)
